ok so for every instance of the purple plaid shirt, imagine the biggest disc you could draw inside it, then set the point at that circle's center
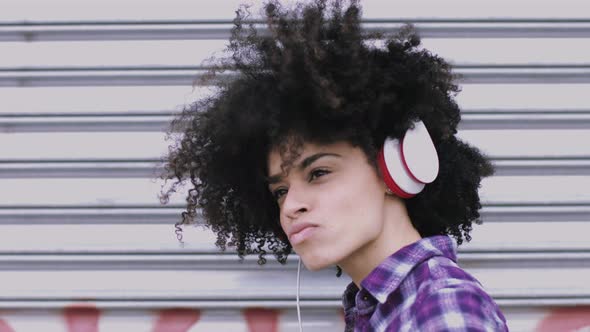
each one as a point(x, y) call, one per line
point(421, 288)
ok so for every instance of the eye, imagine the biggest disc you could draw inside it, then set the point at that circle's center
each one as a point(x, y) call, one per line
point(280, 192)
point(316, 173)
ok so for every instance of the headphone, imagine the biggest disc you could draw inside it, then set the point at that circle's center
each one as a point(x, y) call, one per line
point(407, 165)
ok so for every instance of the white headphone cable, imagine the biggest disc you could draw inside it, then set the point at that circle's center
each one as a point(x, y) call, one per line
point(298, 287)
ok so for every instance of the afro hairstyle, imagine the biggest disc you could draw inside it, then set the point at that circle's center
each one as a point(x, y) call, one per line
point(313, 75)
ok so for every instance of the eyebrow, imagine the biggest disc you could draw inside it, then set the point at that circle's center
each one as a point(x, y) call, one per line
point(303, 165)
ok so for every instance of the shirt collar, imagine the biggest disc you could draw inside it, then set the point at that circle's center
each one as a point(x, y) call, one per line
point(390, 273)
point(348, 300)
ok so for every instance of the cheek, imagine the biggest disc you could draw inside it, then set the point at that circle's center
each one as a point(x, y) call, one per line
point(352, 220)
point(369, 206)
point(362, 191)
point(360, 205)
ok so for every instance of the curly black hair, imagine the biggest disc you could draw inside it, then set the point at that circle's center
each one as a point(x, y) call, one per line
point(315, 76)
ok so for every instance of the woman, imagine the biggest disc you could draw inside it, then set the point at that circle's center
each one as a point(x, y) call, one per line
point(294, 153)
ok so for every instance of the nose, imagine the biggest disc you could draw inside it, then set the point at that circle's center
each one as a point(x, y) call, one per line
point(295, 203)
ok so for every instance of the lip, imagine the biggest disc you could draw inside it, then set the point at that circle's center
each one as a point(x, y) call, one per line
point(299, 231)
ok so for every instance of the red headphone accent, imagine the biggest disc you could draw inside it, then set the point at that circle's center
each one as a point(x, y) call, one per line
point(408, 165)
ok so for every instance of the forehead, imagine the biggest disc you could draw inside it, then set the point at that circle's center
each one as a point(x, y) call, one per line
point(276, 159)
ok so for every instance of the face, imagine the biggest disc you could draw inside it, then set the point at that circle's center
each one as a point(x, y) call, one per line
point(334, 190)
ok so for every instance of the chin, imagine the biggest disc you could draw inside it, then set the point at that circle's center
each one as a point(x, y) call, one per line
point(316, 263)
point(313, 268)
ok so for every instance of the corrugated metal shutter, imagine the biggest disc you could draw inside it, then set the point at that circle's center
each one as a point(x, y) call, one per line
point(86, 90)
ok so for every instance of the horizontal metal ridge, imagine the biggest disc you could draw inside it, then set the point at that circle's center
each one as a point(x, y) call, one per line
point(210, 260)
point(523, 75)
point(146, 76)
point(153, 169)
point(65, 215)
point(84, 169)
point(239, 304)
point(165, 303)
point(164, 215)
point(534, 213)
point(27, 123)
point(160, 122)
point(541, 301)
point(98, 169)
point(127, 261)
point(542, 166)
point(176, 30)
point(525, 120)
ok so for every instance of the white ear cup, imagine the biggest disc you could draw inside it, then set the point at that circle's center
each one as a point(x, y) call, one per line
point(407, 166)
point(419, 154)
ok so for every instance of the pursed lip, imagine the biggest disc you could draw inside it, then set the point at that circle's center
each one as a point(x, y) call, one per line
point(297, 227)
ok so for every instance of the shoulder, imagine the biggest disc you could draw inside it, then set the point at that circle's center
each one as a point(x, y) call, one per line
point(453, 300)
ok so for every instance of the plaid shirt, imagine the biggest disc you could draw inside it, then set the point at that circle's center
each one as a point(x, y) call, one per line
point(421, 288)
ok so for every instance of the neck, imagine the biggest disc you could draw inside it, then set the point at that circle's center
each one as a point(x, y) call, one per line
point(397, 233)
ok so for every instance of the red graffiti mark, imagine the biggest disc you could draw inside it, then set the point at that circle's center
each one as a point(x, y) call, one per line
point(565, 319)
point(176, 320)
point(81, 318)
point(262, 320)
point(4, 327)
